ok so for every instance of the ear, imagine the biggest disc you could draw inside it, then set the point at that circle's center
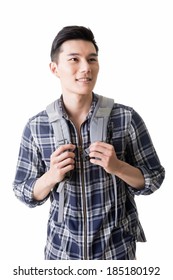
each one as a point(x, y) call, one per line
point(54, 68)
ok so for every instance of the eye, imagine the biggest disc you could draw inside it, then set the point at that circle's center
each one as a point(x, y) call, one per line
point(75, 59)
point(92, 59)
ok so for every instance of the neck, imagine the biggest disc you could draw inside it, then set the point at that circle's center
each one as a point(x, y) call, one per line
point(77, 108)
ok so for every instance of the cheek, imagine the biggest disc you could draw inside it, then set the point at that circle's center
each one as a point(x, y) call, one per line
point(66, 71)
point(96, 70)
point(95, 73)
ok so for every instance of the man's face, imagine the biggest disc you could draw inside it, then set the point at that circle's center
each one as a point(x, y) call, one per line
point(77, 67)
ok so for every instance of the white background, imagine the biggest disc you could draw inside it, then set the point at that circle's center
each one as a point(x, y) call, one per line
point(135, 39)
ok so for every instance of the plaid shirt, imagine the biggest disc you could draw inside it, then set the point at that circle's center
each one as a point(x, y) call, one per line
point(88, 229)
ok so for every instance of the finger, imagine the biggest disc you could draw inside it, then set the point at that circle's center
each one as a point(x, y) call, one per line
point(66, 169)
point(97, 161)
point(64, 163)
point(96, 154)
point(63, 148)
point(63, 171)
point(100, 147)
point(65, 155)
point(60, 158)
point(104, 151)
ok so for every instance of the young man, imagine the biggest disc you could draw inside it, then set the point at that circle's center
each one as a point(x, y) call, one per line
point(99, 220)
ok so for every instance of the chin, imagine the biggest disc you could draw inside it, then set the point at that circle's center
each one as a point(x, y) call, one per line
point(85, 93)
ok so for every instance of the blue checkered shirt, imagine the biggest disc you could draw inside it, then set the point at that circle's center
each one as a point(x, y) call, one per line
point(88, 228)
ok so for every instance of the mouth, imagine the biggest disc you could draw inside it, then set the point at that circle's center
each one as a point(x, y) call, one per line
point(84, 79)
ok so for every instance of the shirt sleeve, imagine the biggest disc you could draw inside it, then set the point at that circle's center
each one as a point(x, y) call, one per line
point(142, 154)
point(29, 168)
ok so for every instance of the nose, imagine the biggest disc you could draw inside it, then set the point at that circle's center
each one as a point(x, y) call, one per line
point(85, 66)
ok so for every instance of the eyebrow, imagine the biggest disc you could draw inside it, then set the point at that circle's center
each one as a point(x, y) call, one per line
point(91, 54)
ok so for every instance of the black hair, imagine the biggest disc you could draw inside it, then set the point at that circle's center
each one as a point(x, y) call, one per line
point(72, 32)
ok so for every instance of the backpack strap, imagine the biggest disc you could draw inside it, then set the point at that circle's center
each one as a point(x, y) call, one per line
point(60, 127)
point(98, 131)
point(62, 136)
point(100, 117)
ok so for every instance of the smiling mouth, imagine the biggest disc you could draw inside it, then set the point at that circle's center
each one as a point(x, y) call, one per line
point(84, 79)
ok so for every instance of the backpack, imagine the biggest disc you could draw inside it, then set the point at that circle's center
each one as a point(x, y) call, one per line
point(98, 132)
